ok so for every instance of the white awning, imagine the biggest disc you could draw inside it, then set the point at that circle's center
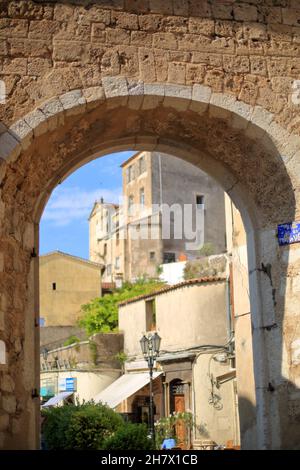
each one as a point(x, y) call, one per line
point(124, 387)
point(55, 400)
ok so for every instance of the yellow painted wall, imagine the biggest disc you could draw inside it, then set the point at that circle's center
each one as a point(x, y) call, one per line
point(77, 282)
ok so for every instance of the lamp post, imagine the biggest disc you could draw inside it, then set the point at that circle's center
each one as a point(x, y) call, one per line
point(150, 348)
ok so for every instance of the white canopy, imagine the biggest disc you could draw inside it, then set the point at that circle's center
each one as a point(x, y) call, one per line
point(55, 400)
point(124, 387)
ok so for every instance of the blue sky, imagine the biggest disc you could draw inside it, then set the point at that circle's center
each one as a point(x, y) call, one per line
point(64, 225)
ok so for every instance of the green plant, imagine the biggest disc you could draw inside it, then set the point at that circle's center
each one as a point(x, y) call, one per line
point(101, 314)
point(80, 427)
point(159, 269)
point(121, 357)
point(93, 350)
point(71, 340)
point(207, 249)
point(130, 437)
point(165, 428)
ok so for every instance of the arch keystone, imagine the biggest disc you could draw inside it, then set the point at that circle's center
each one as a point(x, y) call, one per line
point(183, 92)
point(200, 98)
point(93, 96)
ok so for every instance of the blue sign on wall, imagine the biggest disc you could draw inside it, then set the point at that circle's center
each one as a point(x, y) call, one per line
point(289, 233)
point(67, 384)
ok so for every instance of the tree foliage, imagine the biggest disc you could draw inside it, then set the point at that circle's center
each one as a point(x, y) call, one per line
point(130, 437)
point(80, 427)
point(101, 314)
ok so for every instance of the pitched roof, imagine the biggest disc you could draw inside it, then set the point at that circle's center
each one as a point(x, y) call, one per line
point(75, 258)
point(133, 157)
point(163, 290)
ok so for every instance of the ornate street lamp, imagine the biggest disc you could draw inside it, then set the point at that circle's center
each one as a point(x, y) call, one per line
point(150, 348)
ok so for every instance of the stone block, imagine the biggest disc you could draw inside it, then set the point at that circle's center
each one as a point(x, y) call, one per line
point(125, 20)
point(258, 66)
point(114, 86)
point(222, 11)
point(164, 41)
point(202, 26)
point(245, 12)
point(37, 121)
point(38, 66)
point(22, 132)
point(291, 16)
point(53, 110)
point(241, 115)
point(4, 421)
point(94, 96)
point(30, 47)
point(261, 117)
point(13, 27)
point(70, 51)
point(117, 36)
point(177, 73)
point(73, 102)
point(195, 73)
point(98, 32)
point(7, 384)
point(136, 94)
point(200, 98)
point(43, 29)
point(10, 147)
point(17, 66)
point(154, 94)
point(146, 65)
point(141, 38)
point(164, 7)
point(9, 403)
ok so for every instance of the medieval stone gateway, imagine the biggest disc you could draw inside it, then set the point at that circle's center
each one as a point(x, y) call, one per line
point(213, 82)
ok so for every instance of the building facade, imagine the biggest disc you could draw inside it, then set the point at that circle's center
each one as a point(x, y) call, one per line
point(169, 210)
point(66, 283)
point(79, 371)
point(195, 370)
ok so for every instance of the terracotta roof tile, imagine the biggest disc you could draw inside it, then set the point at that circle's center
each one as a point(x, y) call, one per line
point(189, 282)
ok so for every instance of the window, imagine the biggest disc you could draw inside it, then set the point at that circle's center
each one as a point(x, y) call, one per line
point(117, 262)
point(108, 269)
point(130, 205)
point(130, 173)
point(142, 197)
point(142, 165)
point(169, 258)
point(152, 255)
point(150, 315)
point(53, 285)
point(42, 321)
point(105, 249)
point(200, 201)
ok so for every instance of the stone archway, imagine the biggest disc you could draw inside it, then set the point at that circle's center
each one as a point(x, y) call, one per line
point(223, 136)
point(206, 82)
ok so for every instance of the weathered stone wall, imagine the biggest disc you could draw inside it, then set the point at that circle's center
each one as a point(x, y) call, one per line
point(248, 49)
point(55, 336)
point(210, 82)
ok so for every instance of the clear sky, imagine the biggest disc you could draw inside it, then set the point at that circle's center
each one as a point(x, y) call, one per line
point(64, 225)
